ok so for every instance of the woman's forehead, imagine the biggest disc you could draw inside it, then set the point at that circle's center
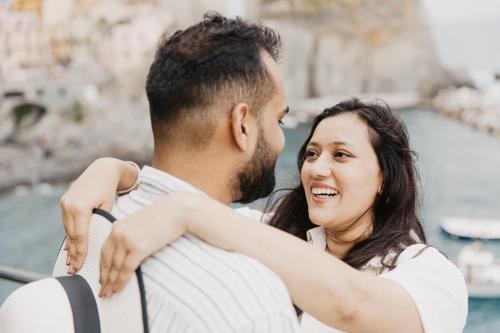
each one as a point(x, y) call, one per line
point(346, 127)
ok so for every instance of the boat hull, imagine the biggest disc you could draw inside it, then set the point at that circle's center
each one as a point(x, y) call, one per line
point(484, 290)
point(465, 228)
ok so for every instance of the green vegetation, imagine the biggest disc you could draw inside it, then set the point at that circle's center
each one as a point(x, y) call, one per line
point(21, 112)
point(27, 113)
point(74, 113)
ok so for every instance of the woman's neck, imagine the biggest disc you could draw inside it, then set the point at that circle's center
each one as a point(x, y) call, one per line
point(338, 243)
point(337, 249)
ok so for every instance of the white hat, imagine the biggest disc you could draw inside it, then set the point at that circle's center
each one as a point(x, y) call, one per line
point(65, 303)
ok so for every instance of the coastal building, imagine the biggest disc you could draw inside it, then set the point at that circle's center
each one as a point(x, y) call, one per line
point(57, 18)
point(86, 5)
point(24, 45)
point(28, 6)
point(131, 44)
point(5, 5)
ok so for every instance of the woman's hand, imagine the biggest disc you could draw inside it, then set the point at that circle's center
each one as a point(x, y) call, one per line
point(139, 235)
point(96, 187)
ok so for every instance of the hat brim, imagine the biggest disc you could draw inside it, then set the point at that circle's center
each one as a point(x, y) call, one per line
point(44, 305)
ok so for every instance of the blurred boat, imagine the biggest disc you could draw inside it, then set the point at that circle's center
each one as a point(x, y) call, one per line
point(481, 271)
point(471, 228)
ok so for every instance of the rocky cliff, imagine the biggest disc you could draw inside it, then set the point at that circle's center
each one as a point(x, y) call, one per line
point(340, 47)
point(331, 47)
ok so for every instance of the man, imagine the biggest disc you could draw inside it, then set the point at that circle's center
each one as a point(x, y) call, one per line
point(216, 102)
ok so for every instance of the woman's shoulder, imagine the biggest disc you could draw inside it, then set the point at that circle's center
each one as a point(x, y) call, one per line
point(425, 252)
point(428, 263)
point(435, 284)
point(425, 255)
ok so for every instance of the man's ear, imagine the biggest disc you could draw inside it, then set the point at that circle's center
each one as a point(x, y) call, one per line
point(241, 124)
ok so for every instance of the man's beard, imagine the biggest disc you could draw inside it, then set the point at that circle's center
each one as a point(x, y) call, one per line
point(257, 179)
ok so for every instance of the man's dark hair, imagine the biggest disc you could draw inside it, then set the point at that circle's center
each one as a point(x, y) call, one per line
point(201, 72)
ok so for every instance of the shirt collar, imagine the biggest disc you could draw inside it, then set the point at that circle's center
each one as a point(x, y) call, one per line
point(154, 183)
point(317, 237)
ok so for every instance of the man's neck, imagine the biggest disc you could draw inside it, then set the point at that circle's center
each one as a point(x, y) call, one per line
point(207, 174)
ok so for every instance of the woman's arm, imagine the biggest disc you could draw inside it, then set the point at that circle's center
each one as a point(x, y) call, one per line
point(96, 187)
point(319, 283)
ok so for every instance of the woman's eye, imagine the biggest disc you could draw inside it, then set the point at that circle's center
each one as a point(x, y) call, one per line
point(341, 154)
point(281, 122)
point(311, 154)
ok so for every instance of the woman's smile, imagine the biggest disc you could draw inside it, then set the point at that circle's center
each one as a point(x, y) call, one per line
point(323, 193)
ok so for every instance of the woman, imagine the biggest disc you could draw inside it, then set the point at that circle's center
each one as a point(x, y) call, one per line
point(368, 268)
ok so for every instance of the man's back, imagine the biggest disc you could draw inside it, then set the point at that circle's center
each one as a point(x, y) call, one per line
point(192, 286)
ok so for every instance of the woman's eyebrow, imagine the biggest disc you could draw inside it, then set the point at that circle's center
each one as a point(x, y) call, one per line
point(331, 144)
point(314, 144)
point(341, 143)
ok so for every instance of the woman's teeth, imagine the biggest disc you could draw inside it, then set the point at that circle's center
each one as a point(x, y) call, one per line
point(323, 192)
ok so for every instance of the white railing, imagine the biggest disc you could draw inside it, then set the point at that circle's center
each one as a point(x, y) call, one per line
point(20, 275)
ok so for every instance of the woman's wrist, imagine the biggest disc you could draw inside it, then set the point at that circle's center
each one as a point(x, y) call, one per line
point(167, 227)
point(129, 176)
point(125, 173)
point(187, 208)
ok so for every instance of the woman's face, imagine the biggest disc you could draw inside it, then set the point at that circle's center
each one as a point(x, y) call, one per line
point(341, 174)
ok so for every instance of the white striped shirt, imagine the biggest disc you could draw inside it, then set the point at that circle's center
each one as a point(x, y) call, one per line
point(192, 286)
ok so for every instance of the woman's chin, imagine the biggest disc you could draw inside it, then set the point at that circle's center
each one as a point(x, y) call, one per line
point(320, 219)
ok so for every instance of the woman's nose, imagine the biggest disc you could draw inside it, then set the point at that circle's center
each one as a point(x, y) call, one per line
point(321, 168)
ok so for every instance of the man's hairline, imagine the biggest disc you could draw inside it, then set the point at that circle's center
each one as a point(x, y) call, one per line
point(257, 113)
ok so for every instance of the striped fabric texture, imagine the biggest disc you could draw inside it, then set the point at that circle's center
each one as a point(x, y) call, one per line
point(192, 286)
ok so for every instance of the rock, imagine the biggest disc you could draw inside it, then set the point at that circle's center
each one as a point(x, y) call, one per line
point(361, 47)
point(7, 120)
point(57, 149)
point(479, 108)
point(340, 67)
point(6, 128)
point(405, 64)
point(339, 48)
point(385, 56)
point(188, 12)
point(298, 51)
point(244, 8)
point(448, 78)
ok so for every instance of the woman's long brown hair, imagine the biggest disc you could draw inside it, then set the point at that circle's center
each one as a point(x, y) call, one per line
point(395, 207)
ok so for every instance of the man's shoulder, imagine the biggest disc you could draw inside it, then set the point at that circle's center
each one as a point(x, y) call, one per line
point(190, 253)
point(189, 276)
point(127, 204)
point(254, 214)
point(239, 290)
